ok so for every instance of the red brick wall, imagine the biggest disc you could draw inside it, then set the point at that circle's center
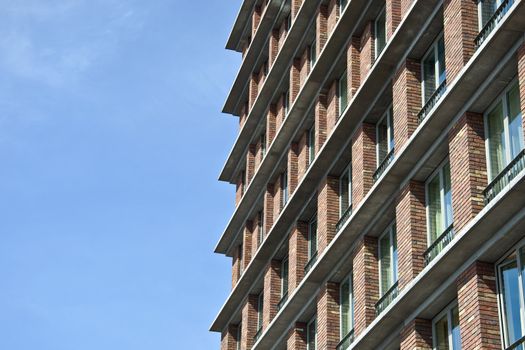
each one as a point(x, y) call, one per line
point(366, 282)
point(333, 15)
point(363, 161)
point(247, 244)
point(243, 115)
point(393, 16)
point(229, 338)
point(255, 234)
point(327, 211)
point(271, 120)
point(328, 316)
point(478, 307)
point(296, 5)
point(521, 81)
point(249, 322)
point(273, 47)
point(297, 337)
point(280, 113)
point(295, 79)
point(353, 63)
point(417, 335)
point(293, 158)
point(256, 18)
point(321, 28)
point(253, 89)
point(235, 266)
point(460, 30)
point(282, 34)
point(411, 231)
point(367, 49)
point(406, 92)
point(405, 6)
point(272, 291)
point(304, 67)
point(250, 163)
point(239, 187)
point(320, 120)
point(277, 197)
point(258, 154)
point(297, 254)
point(332, 104)
point(268, 208)
point(468, 168)
point(303, 156)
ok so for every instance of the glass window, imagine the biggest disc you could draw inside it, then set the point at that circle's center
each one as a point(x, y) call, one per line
point(286, 102)
point(343, 92)
point(311, 144)
point(439, 202)
point(284, 277)
point(433, 67)
point(504, 131)
point(486, 9)
point(260, 224)
point(342, 5)
point(347, 306)
point(384, 136)
point(260, 306)
point(387, 260)
point(311, 335)
point(312, 238)
point(380, 33)
point(345, 190)
point(263, 145)
point(446, 330)
point(284, 187)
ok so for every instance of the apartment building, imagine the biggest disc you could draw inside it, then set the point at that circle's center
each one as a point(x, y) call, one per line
point(380, 176)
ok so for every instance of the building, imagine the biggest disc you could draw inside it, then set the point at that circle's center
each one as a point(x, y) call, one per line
point(380, 176)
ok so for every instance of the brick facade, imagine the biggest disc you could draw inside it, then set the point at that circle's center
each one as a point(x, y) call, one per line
point(229, 338)
point(417, 335)
point(292, 168)
point(272, 291)
point(332, 107)
point(246, 245)
point(393, 16)
point(367, 49)
point(521, 82)
point(297, 337)
point(249, 322)
point(321, 34)
point(268, 208)
point(363, 161)
point(353, 62)
point(327, 211)
point(328, 316)
point(333, 15)
point(320, 120)
point(297, 254)
point(250, 163)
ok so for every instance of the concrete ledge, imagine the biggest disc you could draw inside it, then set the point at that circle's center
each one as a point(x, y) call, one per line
point(240, 24)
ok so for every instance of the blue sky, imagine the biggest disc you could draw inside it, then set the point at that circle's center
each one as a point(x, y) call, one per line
point(111, 141)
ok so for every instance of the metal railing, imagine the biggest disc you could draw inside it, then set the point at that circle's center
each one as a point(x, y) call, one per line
point(386, 299)
point(347, 340)
point(432, 101)
point(517, 345)
point(441, 242)
point(310, 263)
point(493, 22)
point(283, 301)
point(257, 335)
point(505, 177)
point(384, 164)
point(344, 218)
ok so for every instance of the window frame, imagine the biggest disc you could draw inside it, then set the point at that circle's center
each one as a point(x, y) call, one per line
point(286, 103)
point(263, 144)
point(260, 307)
point(284, 263)
point(391, 231)
point(311, 252)
point(313, 321)
point(433, 49)
point(260, 224)
point(447, 310)
point(311, 145)
point(389, 115)
point(480, 12)
point(503, 98)
point(284, 188)
point(347, 172)
point(238, 337)
point(377, 53)
point(350, 280)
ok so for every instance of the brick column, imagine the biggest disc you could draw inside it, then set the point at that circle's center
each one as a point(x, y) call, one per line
point(328, 316)
point(249, 322)
point(468, 169)
point(296, 5)
point(295, 79)
point(367, 49)
point(250, 162)
point(297, 254)
point(366, 282)
point(393, 16)
point(304, 67)
point(363, 161)
point(243, 115)
point(271, 120)
point(333, 15)
point(353, 63)
point(253, 89)
point(272, 291)
point(411, 231)
point(321, 28)
point(256, 18)
point(478, 307)
point(332, 107)
point(282, 34)
point(239, 187)
point(297, 337)
point(277, 197)
point(268, 208)
point(273, 47)
point(280, 113)
point(521, 82)
point(236, 266)
point(406, 93)
point(247, 245)
point(255, 234)
point(302, 159)
point(258, 154)
point(417, 335)
point(460, 30)
point(405, 6)
point(320, 116)
point(293, 158)
point(229, 338)
point(327, 211)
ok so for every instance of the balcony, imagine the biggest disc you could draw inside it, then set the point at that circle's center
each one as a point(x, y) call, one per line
point(344, 218)
point(518, 345)
point(493, 22)
point(432, 101)
point(283, 301)
point(505, 177)
point(347, 340)
point(439, 244)
point(384, 164)
point(386, 299)
point(311, 263)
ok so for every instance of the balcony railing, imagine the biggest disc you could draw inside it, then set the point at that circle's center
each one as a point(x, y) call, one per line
point(432, 101)
point(257, 335)
point(282, 301)
point(347, 340)
point(384, 164)
point(344, 218)
point(505, 177)
point(517, 345)
point(439, 244)
point(386, 299)
point(311, 263)
point(493, 22)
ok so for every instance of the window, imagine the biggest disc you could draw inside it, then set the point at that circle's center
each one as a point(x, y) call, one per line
point(342, 5)
point(347, 306)
point(284, 277)
point(384, 136)
point(345, 190)
point(260, 224)
point(503, 127)
point(511, 279)
point(311, 145)
point(433, 69)
point(387, 259)
point(311, 335)
point(286, 102)
point(343, 92)
point(284, 187)
point(438, 202)
point(380, 33)
point(312, 238)
point(445, 329)
point(263, 145)
point(312, 53)
point(260, 305)
point(486, 9)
